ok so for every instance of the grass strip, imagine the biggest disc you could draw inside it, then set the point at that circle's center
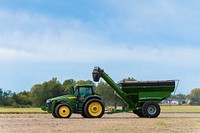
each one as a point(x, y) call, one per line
point(21, 111)
point(164, 109)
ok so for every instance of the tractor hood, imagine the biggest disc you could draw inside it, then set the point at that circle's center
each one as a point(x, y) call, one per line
point(63, 98)
point(50, 103)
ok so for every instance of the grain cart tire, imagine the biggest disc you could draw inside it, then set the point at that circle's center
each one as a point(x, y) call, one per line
point(94, 108)
point(138, 113)
point(63, 110)
point(151, 109)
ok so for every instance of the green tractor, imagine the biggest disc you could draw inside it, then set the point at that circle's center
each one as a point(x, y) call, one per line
point(82, 100)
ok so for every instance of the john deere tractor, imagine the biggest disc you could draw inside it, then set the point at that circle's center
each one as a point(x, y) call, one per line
point(82, 100)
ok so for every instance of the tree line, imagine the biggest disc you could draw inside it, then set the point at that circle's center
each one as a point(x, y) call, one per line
point(39, 93)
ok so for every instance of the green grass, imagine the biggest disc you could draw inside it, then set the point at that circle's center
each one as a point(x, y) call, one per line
point(21, 110)
point(173, 109)
point(180, 109)
point(164, 109)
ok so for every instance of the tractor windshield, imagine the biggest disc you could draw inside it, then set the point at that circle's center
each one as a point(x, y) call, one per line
point(83, 91)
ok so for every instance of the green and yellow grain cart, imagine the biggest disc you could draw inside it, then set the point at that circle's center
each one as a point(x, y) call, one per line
point(141, 97)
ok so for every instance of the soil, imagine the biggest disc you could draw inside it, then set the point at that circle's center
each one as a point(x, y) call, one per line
point(116, 123)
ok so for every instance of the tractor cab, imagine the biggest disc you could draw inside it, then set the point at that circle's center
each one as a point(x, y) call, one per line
point(82, 91)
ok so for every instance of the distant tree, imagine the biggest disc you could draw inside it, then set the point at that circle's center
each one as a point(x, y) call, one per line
point(195, 96)
point(69, 82)
point(7, 93)
point(24, 98)
point(1, 96)
point(41, 92)
point(1, 92)
point(5, 97)
point(84, 82)
point(67, 85)
point(90, 82)
point(15, 97)
point(107, 94)
point(37, 93)
point(54, 86)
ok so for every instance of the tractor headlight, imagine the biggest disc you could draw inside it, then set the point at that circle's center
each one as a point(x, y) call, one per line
point(48, 101)
point(49, 104)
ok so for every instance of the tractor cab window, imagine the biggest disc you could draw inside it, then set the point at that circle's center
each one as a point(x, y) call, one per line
point(83, 91)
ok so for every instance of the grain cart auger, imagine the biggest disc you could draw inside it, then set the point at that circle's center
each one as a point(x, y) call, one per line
point(141, 97)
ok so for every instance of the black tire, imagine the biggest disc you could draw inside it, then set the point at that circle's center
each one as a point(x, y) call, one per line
point(63, 110)
point(54, 115)
point(151, 109)
point(83, 114)
point(138, 113)
point(94, 108)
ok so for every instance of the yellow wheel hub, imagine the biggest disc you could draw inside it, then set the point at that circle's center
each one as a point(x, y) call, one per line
point(64, 111)
point(95, 109)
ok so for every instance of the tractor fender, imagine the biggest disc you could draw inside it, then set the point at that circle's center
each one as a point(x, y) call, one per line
point(57, 102)
point(91, 97)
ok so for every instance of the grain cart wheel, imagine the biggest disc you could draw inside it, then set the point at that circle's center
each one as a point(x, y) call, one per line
point(138, 113)
point(151, 109)
point(63, 110)
point(94, 108)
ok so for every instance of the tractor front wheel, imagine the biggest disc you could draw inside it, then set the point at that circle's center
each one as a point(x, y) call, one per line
point(54, 115)
point(94, 108)
point(83, 114)
point(151, 109)
point(63, 110)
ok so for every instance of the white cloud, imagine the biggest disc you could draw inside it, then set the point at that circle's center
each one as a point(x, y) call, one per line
point(13, 54)
point(171, 55)
point(49, 48)
point(158, 20)
point(45, 39)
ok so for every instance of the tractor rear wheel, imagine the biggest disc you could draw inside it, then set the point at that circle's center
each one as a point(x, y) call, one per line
point(151, 109)
point(63, 110)
point(94, 108)
point(83, 114)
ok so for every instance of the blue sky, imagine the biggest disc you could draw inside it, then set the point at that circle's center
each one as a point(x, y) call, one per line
point(147, 40)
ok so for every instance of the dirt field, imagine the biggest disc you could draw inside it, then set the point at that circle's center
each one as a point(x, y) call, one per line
point(123, 123)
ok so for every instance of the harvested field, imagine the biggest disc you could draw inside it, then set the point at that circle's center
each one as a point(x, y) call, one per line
point(116, 123)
